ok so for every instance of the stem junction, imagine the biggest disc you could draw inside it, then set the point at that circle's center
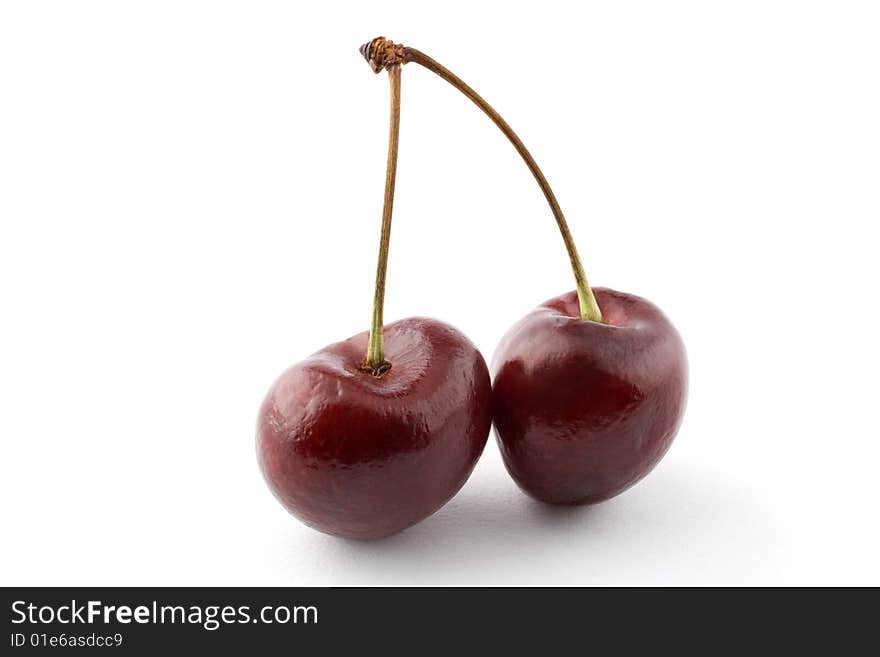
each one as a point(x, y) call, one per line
point(383, 54)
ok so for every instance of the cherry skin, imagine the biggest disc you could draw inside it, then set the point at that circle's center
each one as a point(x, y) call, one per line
point(583, 410)
point(364, 456)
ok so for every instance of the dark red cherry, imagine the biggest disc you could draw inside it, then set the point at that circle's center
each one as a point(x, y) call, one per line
point(365, 456)
point(585, 409)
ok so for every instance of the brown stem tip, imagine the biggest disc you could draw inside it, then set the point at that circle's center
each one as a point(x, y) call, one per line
point(376, 371)
point(382, 54)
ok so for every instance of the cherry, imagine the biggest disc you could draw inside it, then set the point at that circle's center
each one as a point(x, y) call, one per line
point(584, 409)
point(366, 456)
point(589, 389)
point(364, 447)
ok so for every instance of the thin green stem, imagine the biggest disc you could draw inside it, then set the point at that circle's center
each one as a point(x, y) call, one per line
point(375, 361)
point(589, 309)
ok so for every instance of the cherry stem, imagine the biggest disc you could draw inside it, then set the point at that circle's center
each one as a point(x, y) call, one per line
point(381, 53)
point(375, 362)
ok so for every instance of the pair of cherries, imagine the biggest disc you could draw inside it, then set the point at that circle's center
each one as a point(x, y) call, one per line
point(586, 395)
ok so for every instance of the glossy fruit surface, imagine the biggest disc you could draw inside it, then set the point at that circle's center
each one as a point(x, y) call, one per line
point(583, 410)
point(361, 456)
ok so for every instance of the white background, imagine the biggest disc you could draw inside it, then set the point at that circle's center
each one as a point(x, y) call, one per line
point(190, 195)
